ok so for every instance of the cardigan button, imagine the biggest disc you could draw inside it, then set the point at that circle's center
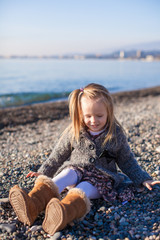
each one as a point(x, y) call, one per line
point(92, 160)
point(91, 147)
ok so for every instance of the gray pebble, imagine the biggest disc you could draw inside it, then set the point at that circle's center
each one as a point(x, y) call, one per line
point(8, 227)
point(116, 216)
point(122, 220)
point(56, 236)
point(158, 149)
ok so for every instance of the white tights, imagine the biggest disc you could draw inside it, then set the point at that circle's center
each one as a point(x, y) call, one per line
point(68, 177)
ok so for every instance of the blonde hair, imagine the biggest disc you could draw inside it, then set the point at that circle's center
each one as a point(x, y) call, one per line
point(92, 91)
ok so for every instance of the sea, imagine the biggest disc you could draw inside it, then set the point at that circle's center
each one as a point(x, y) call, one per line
point(29, 81)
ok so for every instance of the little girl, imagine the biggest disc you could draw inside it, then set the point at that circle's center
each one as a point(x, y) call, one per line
point(85, 159)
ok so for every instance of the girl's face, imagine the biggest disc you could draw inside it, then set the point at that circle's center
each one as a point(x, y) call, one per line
point(94, 113)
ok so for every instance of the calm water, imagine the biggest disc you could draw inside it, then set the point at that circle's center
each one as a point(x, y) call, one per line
point(28, 81)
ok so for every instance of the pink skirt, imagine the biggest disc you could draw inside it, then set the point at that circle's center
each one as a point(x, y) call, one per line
point(104, 184)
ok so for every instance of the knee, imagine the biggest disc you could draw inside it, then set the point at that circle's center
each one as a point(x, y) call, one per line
point(69, 171)
point(90, 191)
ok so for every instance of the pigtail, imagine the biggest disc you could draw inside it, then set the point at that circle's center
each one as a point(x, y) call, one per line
point(75, 112)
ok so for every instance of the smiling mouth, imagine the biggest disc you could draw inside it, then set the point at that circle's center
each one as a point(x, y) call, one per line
point(94, 126)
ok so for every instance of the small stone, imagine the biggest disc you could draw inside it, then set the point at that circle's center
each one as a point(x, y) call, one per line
point(157, 172)
point(111, 209)
point(4, 200)
point(100, 223)
point(96, 217)
point(131, 232)
point(102, 209)
point(137, 236)
point(146, 238)
point(158, 149)
point(56, 236)
point(116, 216)
point(8, 227)
point(158, 238)
point(122, 220)
point(35, 228)
point(151, 238)
point(144, 229)
point(154, 174)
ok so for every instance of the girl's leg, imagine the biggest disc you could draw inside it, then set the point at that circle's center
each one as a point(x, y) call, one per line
point(90, 190)
point(67, 177)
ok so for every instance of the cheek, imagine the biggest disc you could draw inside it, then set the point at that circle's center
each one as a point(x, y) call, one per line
point(86, 120)
point(104, 120)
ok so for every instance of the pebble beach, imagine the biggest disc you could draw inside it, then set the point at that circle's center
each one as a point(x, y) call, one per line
point(27, 136)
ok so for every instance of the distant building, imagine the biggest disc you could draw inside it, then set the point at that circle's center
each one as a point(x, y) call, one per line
point(149, 58)
point(81, 57)
point(138, 54)
point(121, 54)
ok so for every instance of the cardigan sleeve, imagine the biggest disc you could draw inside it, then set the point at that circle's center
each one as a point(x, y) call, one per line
point(128, 164)
point(60, 153)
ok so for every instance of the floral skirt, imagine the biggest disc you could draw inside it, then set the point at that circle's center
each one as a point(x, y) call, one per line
point(104, 184)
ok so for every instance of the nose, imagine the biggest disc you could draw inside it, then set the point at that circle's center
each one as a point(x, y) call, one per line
point(93, 119)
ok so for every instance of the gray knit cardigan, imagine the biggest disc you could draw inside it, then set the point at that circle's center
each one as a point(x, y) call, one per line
point(115, 154)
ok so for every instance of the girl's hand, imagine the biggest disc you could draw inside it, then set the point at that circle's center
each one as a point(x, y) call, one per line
point(33, 174)
point(148, 184)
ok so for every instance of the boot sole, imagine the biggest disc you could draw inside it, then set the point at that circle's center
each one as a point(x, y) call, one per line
point(18, 200)
point(54, 217)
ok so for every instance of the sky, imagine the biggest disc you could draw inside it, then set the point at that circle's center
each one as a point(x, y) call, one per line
point(51, 27)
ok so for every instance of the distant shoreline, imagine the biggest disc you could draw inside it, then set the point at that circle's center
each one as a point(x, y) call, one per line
point(50, 111)
point(121, 54)
point(83, 58)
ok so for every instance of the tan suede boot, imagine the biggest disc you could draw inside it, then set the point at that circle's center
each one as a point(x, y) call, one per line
point(59, 213)
point(28, 206)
